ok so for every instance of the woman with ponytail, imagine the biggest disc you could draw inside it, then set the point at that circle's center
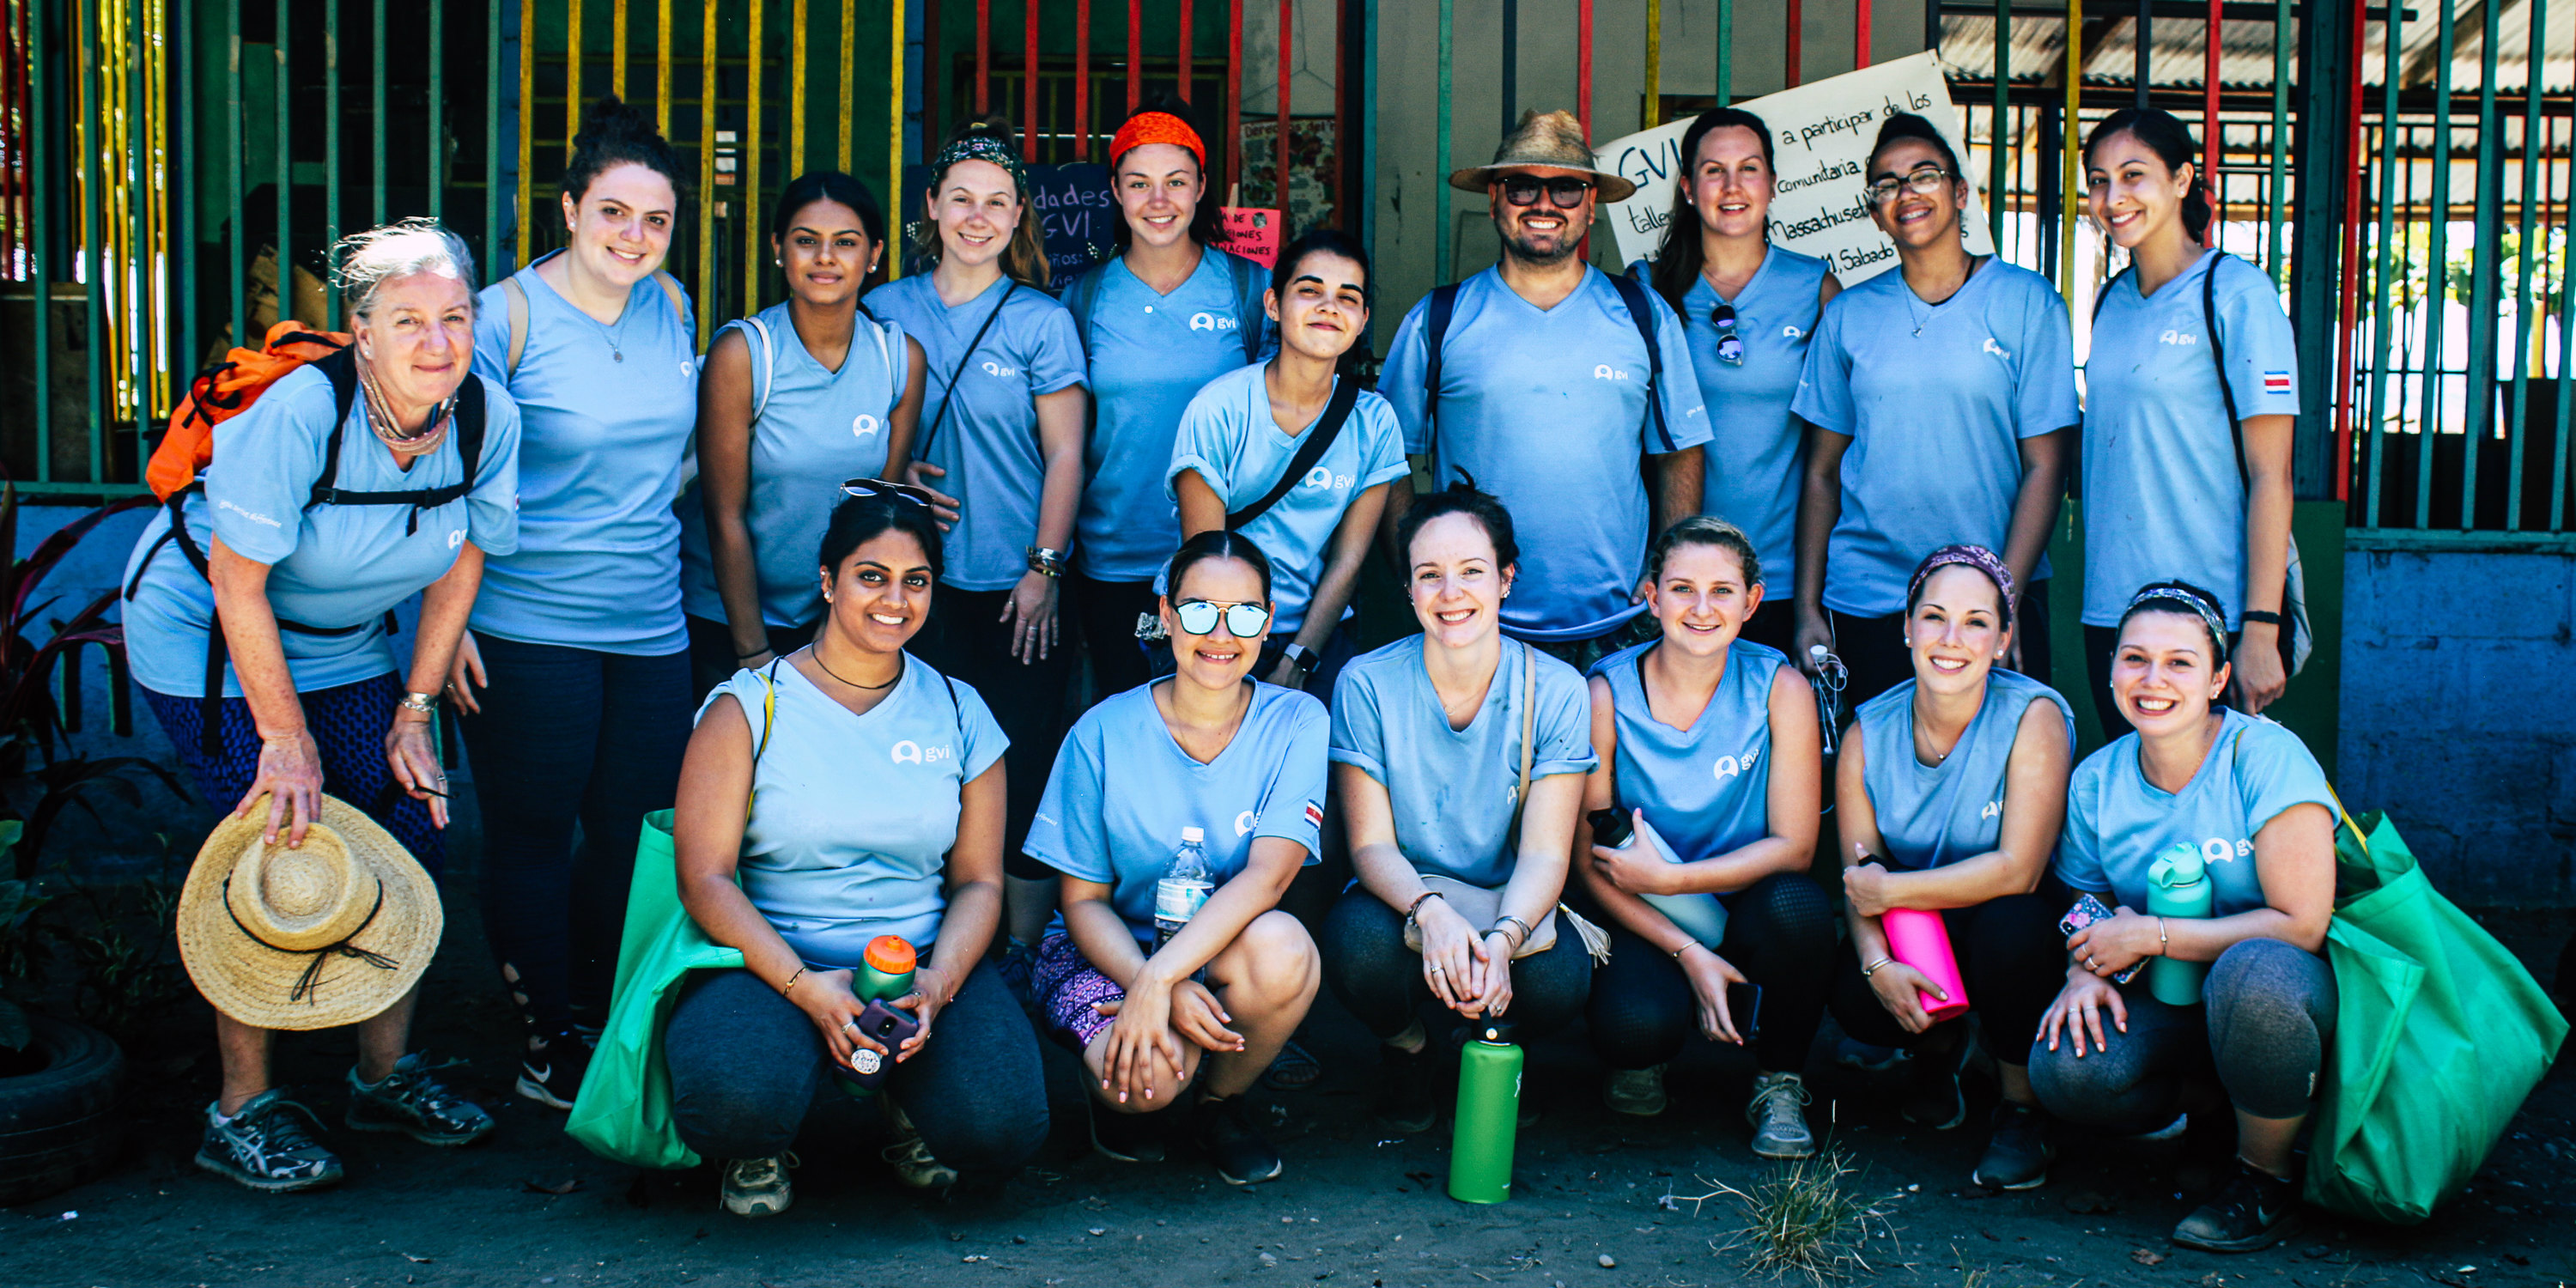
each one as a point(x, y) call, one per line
point(574, 679)
point(2190, 393)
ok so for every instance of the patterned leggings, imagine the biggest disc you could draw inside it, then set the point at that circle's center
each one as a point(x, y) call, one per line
point(348, 723)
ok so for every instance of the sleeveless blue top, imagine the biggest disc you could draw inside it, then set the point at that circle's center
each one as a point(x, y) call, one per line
point(1705, 789)
point(1931, 815)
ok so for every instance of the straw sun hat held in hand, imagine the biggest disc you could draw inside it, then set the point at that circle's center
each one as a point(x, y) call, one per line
point(330, 933)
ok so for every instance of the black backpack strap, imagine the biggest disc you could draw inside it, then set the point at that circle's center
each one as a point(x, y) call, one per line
point(1346, 394)
point(1641, 311)
point(2103, 296)
point(1250, 320)
point(2218, 355)
point(948, 392)
point(1081, 295)
point(469, 412)
point(342, 371)
point(1437, 310)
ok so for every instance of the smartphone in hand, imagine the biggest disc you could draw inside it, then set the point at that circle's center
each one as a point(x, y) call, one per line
point(2087, 911)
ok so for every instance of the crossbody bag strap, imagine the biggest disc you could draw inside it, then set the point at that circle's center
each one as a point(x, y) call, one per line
point(1529, 727)
point(1319, 440)
point(1435, 337)
point(768, 719)
point(2218, 356)
point(1634, 295)
point(948, 392)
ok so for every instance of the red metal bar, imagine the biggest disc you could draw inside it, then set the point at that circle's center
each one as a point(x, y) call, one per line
point(1189, 11)
point(1860, 34)
point(2210, 130)
point(1233, 98)
point(1029, 81)
point(983, 56)
point(1081, 80)
point(1135, 54)
point(1583, 66)
point(2352, 260)
point(1287, 69)
point(1341, 140)
point(1797, 32)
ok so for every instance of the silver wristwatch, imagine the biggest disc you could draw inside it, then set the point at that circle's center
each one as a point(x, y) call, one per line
point(424, 703)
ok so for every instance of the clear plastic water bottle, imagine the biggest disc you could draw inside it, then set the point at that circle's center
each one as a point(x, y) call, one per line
point(1183, 886)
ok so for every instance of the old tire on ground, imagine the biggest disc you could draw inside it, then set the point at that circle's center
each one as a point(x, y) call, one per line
point(58, 1125)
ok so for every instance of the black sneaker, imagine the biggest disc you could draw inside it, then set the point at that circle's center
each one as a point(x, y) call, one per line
point(1128, 1138)
point(1933, 1100)
point(265, 1145)
point(1224, 1132)
point(550, 1074)
point(412, 1100)
point(2017, 1157)
point(1408, 1098)
point(2255, 1211)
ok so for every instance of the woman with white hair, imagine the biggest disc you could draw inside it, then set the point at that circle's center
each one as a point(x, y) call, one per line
point(258, 619)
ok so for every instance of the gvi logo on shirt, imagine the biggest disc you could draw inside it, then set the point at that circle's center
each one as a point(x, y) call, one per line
point(1993, 809)
point(1607, 372)
point(2219, 849)
point(1243, 823)
point(456, 539)
point(2177, 337)
point(1790, 333)
point(1996, 349)
point(1728, 766)
point(1324, 478)
point(1210, 322)
point(908, 750)
point(863, 425)
point(997, 369)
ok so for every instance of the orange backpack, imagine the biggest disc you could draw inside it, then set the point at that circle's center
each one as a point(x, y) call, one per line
point(225, 390)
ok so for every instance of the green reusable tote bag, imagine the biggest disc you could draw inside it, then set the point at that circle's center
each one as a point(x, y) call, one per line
point(2439, 1035)
point(624, 1110)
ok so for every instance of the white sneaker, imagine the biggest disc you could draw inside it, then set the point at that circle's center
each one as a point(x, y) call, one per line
point(758, 1186)
point(912, 1160)
point(1638, 1093)
point(1778, 1114)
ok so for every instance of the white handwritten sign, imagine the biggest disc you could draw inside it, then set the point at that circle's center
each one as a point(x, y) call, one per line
point(1820, 138)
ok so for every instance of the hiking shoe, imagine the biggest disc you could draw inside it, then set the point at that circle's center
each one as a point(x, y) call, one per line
point(2017, 1157)
point(1933, 1100)
point(1639, 1093)
point(1222, 1126)
point(1408, 1093)
point(550, 1073)
point(412, 1100)
point(265, 1146)
point(912, 1160)
point(2255, 1211)
point(1855, 1054)
point(758, 1186)
point(1295, 1070)
point(1778, 1114)
point(1128, 1138)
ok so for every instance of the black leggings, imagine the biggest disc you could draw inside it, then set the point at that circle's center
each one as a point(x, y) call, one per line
point(2267, 1014)
point(1779, 932)
point(1380, 980)
point(1107, 612)
point(966, 639)
point(2011, 960)
point(712, 660)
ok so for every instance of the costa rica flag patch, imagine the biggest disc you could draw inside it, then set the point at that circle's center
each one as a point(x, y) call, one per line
point(2276, 382)
point(1314, 813)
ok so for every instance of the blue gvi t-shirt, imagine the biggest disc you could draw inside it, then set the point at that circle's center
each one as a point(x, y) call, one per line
point(329, 565)
point(1754, 445)
point(1705, 789)
point(2162, 497)
point(1229, 439)
point(816, 428)
point(1936, 399)
point(1120, 829)
point(988, 439)
point(609, 411)
point(852, 816)
point(2117, 822)
point(1547, 410)
point(1935, 815)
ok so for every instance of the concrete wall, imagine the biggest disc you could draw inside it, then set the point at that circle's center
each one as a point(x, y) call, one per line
point(2459, 714)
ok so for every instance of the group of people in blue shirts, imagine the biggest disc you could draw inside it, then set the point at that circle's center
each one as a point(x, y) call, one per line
point(824, 595)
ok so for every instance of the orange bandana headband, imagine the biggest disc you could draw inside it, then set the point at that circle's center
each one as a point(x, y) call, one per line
point(1156, 127)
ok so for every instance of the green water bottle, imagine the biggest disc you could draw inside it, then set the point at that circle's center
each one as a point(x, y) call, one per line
point(884, 974)
point(2178, 885)
point(1489, 1116)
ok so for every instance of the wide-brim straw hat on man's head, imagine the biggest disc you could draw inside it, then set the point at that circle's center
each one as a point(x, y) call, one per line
point(1552, 139)
point(328, 933)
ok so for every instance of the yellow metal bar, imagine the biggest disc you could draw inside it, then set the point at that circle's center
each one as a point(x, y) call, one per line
point(849, 93)
point(707, 204)
point(2068, 136)
point(894, 129)
point(572, 72)
point(662, 71)
point(617, 56)
point(748, 191)
point(796, 91)
point(527, 127)
point(1654, 107)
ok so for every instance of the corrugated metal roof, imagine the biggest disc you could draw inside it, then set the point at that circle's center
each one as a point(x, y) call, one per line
point(2178, 58)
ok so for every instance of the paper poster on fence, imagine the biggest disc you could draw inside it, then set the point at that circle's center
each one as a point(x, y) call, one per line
point(1820, 137)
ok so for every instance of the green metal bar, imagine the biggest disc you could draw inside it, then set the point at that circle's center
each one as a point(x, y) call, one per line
point(237, 253)
point(437, 109)
point(93, 265)
point(2477, 383)
point(2437, 297)
point(183, 257)
point(330, 156)
point(492, 261)
point(1726, 52)
point(285, 166)
point(2282, 74)
point(377, 125)
point(39, 236)
point(1443, 208)
point(2523, 303)
point(2566, 343)
point(2383, 304)
point(2003, 114)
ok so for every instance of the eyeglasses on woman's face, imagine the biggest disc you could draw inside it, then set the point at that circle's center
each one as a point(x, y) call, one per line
point(1562, 192)
point(1242, 620)
point(1923, 180)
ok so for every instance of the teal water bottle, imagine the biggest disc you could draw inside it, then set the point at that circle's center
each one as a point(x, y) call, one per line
point(2178, 885)
point(1489, 1116)
point(884, 974)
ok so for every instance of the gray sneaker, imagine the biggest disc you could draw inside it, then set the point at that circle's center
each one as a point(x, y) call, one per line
point(758, 1186)
point(1638, 1093)
point(266, 1146)
point(912, 1160)
point(2017, 1158)
point(412, 1100)
point(1778, 1113)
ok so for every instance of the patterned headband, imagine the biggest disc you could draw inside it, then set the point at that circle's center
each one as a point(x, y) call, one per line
point(1977, 557)
point(2199, 606)
point(981, 146)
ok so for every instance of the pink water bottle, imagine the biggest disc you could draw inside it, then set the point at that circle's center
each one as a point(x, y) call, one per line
point(1922, 940)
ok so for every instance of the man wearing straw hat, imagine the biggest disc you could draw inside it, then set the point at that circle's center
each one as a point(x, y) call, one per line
point(1546, 381)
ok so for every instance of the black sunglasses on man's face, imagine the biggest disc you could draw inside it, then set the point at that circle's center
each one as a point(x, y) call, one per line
point(1564, 193)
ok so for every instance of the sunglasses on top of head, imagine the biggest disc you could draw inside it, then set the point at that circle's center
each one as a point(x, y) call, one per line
point(1563, 192)
point(890, 491)
point(1243, 621)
